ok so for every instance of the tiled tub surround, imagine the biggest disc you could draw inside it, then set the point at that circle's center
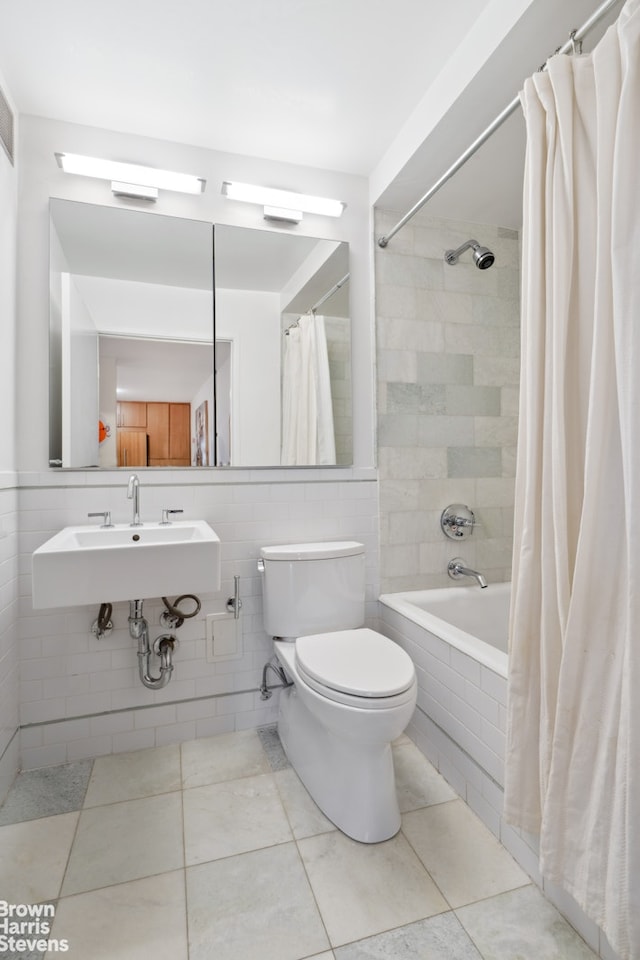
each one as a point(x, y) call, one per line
point(460, 721)
point(251, 868)
point(448, 370)
point(460, 724)
point(82, 697)
point(9, 662)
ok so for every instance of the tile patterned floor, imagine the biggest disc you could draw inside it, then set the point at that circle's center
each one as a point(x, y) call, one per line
point(213, 850)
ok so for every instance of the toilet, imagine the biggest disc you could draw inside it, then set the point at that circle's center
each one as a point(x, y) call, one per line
point(352, 690)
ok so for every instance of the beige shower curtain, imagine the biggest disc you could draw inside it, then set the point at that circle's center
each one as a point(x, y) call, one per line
point(573, 748)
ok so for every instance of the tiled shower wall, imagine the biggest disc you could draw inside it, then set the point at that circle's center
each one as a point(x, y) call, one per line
point(81, 697)
point(448, 368)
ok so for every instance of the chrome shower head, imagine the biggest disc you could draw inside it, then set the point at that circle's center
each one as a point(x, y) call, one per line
point(482, 256)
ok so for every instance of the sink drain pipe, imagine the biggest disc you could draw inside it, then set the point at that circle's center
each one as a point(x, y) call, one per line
point(163, 647)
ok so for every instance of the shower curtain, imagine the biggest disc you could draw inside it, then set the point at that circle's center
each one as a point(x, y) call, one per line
point(573, 747)
point(307, 412)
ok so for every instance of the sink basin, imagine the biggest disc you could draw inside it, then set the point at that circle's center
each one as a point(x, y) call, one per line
point(88, 564)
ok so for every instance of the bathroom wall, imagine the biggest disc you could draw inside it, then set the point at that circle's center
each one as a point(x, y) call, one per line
point(8, 626)
point(8, 493)
point(447, 369)
point(80, 697)
point(41, 179)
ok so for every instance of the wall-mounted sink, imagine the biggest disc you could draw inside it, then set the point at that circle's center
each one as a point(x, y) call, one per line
point(88, 564)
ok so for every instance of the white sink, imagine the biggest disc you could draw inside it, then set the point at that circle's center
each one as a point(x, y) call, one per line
point(88, 564)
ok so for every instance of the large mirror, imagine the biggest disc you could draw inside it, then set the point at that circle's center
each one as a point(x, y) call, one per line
point(283, 349)
point(137, 377)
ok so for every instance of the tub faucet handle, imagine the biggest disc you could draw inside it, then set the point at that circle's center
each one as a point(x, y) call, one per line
point(457, 521)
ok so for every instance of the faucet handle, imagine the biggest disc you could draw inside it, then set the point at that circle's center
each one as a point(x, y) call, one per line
point(106, 518)
point(165, 517)
point(457, 521)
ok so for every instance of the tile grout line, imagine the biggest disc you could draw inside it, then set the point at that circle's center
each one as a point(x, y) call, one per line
point(184, 858)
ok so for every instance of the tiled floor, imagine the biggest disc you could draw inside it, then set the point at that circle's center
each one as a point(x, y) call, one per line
point(214, 851)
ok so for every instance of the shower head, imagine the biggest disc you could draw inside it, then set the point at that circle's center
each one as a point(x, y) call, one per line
point(482, 256)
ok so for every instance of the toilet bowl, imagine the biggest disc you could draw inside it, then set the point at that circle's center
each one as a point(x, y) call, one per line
point(353, 691)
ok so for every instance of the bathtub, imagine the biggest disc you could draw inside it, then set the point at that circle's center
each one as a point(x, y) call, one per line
point(473, 620)
point(457, 639)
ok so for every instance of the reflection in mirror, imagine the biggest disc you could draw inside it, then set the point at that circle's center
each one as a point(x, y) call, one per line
point(283, 349)
point(132, 377)
point(131, 333)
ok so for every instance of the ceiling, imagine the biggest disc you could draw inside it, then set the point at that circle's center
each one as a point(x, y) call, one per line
point(324, 83)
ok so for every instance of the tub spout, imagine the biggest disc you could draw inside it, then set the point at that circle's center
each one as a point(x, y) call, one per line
point(457, 569)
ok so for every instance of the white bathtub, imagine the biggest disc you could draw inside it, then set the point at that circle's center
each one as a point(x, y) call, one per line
point(473, 620)
point(457, 639)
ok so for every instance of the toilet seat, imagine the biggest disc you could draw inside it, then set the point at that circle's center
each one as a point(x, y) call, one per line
point(358, 667)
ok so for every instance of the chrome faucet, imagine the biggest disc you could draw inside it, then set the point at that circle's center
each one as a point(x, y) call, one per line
point(457, 569)
point(133, 493)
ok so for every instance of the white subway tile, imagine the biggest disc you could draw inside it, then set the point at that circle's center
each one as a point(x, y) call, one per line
point(494, 685)
point(466, 666)
point(211, 726)
point(175, 733)
point(483, 809)
point(34, 757)
point(154, 716)
point(89, 747)
point(133, 740)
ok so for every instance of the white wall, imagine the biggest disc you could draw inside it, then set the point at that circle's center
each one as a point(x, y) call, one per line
point(250, 321)
point(132, 308)
point(80, 696)
point(80, 400)
point(8, 492)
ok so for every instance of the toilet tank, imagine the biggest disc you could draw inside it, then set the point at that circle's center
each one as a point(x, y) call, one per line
point(312, 587)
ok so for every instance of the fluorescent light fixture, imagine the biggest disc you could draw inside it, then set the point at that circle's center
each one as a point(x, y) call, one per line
point(129, 173)
point(282, 199)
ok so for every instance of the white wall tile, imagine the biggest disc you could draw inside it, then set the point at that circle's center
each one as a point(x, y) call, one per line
point(67, 673)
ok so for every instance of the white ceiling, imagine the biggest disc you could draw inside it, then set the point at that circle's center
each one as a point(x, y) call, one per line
point(325, 83)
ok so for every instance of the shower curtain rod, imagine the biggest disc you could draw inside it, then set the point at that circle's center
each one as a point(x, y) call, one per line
point(322, 300)
point(330, 293)
point(576, 37)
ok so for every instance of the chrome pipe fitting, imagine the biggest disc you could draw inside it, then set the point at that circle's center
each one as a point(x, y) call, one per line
point(163, 648)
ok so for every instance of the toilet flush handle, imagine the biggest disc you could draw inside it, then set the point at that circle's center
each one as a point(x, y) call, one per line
point(260, 565)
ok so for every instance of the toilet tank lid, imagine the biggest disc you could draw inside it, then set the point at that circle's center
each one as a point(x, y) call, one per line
point(312, 551)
